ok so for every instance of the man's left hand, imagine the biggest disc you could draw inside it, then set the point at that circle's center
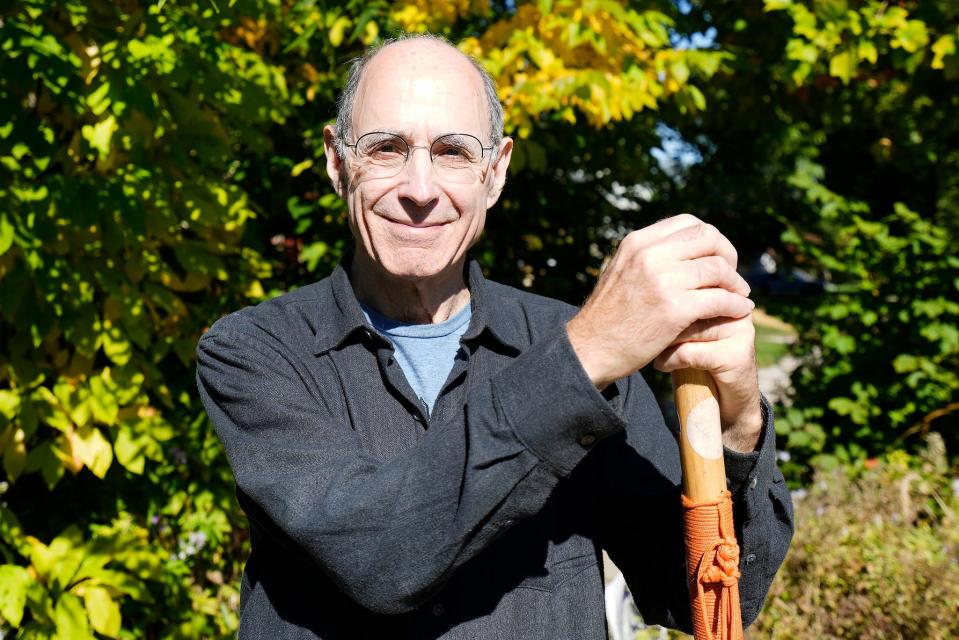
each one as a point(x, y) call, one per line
point(726, 348)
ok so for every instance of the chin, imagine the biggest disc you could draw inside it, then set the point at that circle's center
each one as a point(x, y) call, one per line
point(416, 267)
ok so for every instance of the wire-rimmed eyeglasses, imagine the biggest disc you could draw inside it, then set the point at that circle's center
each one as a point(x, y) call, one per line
point(456, 157)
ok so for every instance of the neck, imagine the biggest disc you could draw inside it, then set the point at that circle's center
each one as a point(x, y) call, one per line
point(419, 301)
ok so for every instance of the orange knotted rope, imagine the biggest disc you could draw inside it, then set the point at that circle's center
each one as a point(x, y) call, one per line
point(712, 559)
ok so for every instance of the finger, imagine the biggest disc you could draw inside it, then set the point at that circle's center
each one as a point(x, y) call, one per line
point(662, 229)
point(714, 329)
point(713, 271)
point(715, 357)
point(714, 303)
point(700, 240)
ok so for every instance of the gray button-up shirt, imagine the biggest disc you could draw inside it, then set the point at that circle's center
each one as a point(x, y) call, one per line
point(371, 518)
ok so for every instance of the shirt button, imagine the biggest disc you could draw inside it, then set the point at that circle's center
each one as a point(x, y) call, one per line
point(438, 609)
point(750, 558)
point(752, 482)
point(588, 440)
point(508, 523)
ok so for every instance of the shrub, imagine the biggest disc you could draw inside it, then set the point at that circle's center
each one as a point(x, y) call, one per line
point(875, 556)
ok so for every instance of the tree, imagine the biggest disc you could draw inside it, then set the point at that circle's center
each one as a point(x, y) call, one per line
point(836, 132)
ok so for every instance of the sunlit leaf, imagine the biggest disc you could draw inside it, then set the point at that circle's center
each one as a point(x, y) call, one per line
point(103, 610)
point(14, 581)
point(71, 619)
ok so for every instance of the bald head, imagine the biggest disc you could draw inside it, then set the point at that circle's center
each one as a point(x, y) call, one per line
point(416, 67)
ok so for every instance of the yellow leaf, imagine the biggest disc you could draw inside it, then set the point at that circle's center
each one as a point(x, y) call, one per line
point(104, 612)
point(255, 291)
point(301, 167)
point(66, 452)
point(337, 30)
point(944, 46)
point(370, 33)
point(93, 450)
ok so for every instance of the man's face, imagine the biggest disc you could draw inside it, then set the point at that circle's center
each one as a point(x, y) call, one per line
point(416, 224)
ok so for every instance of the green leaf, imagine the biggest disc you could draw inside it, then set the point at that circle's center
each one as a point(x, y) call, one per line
point(679, 71)
point(9, 403)
point(71, 619)
point(904, 363)
point(100, 134)
point(777, 5)
point(98, 100)
point(14, 581)
point(102, 401)
point(116, 346)
point(13, 444)
point(301, 167)
point(698, 98)
point(843, 66)
point(868, 52)
point(42, 458)
point(130, 450)
point(104, 612)
point(911, 36)
point(57, 563)
point(6, 234)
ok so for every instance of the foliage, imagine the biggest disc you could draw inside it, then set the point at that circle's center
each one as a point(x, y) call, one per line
point(121, 236)
point(874, 557)
point(882, 344)
point(851, 173)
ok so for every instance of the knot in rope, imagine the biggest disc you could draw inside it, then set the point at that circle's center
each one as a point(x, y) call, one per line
point(727, 558)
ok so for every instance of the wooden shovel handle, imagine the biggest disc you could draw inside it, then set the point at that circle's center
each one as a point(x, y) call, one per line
point(700, 435)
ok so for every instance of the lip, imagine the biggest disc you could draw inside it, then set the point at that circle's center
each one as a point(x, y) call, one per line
point(416, 226)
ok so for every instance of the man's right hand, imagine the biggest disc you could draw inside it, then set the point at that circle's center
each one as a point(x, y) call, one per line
point(661, 280)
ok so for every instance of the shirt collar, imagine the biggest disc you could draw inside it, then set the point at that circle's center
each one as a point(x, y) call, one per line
point(343, 320)
point(491, 313)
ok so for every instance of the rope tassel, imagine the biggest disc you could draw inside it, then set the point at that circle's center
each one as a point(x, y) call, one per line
point(712, 558)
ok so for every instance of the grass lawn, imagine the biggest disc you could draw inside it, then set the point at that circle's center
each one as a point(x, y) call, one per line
point(772, 338)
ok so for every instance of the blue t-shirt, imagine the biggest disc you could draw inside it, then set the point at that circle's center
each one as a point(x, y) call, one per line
point(426, 352)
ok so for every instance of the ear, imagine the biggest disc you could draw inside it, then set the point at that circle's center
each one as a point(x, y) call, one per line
point(500, 165)
point(335, 165)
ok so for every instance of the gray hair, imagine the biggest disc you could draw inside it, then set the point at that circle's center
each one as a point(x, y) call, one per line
point(344, 106)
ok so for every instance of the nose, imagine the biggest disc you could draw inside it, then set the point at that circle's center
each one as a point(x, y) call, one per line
point(418, 180)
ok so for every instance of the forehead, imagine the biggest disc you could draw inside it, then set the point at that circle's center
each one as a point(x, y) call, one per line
point(422, 89)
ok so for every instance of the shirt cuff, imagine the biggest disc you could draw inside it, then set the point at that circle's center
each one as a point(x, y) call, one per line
point(552, 406)
point(742, 468)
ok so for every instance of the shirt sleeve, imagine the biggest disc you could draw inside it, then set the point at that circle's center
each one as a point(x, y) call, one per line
point(304, 479)
point(641, 524)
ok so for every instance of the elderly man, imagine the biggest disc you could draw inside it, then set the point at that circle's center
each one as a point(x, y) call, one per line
point(423, 453)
